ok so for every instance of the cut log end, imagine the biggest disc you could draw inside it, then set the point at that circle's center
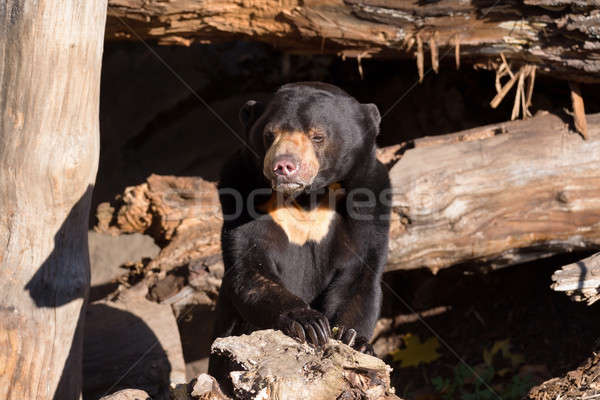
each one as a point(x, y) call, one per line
point(580, 280)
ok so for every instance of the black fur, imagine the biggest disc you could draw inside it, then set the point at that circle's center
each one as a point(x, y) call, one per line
point(305, 290)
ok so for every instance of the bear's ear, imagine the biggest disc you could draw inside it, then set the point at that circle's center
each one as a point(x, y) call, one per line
point(372, 117)
point(250, 112)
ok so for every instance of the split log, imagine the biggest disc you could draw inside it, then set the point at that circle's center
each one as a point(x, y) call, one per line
point(580, 280)
point(270, 365)
point(496, 195)
point(560, 37)
point(51, 53)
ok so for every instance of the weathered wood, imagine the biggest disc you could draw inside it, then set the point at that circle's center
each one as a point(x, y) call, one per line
point(559, 37)
point(580, 280)
point(270, 365)
point(530, 191)
point(50, 57)
point(498, 195)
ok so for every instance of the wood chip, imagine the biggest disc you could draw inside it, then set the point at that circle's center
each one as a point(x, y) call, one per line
point(457, 53)
point(578, 110)
point(531, 84)
point(518, 95)
point(420, 58)
point(435, 60)
point(498, 99)
point(504, 62)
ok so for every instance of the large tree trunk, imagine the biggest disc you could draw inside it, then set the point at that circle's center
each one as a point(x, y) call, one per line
point(499, 195)
point(558, 36)
point(50, 58)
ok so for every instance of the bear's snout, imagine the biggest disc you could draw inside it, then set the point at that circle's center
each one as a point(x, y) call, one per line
point(285, 166)
point(291, 163)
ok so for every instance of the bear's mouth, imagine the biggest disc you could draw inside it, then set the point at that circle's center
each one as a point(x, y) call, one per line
point(287, 187)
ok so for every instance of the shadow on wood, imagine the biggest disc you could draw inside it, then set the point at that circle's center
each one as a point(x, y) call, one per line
point(62, 278)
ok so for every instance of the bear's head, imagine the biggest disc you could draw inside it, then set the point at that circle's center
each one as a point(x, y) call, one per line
point(310, 135)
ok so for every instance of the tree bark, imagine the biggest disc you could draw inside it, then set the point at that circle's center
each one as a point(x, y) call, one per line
point(497, 195)
point(558, 36)
point(50, 58)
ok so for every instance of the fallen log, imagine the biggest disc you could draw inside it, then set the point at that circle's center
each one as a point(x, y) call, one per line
point(270, 365)
point(531, 189)
point(497, 195)
point(580, 280)
point(559, 37)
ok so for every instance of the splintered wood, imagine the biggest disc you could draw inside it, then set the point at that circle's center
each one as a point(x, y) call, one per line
point(457, 52)
point(523, 94)
point(580, 280)
point(578, 110)
point(561, 41)
point(435, 57)
point(420, 58)
point(269, 365)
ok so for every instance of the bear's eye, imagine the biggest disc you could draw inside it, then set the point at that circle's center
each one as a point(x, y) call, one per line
point(318, 138)
point(269, 137)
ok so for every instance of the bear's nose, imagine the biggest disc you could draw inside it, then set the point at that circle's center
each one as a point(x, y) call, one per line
point(285, 167)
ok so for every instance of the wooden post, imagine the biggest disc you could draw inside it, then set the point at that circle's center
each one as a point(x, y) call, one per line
point(50, 60)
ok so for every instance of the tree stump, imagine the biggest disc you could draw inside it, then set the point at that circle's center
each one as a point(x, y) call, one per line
point(270, 365)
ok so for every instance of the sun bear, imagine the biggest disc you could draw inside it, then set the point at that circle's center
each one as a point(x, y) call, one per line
point(305, 219)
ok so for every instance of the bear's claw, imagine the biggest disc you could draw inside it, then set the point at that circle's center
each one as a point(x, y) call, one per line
point(306, 325)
